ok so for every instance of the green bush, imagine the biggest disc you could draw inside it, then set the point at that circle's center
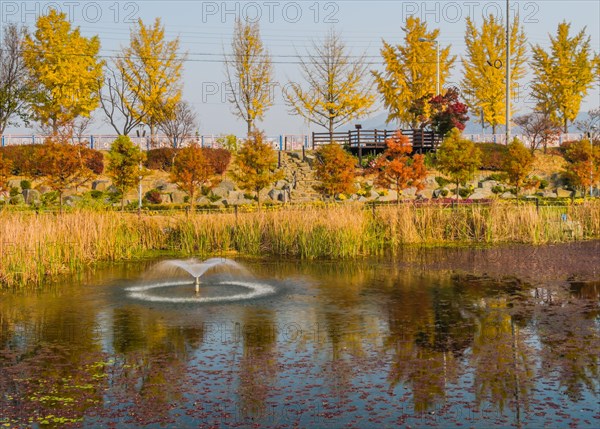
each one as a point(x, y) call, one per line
point(49, 199)
point(544, 184)
point(496, 177)
point(430, 160)
point(498, 189)
point(96, 195)
point(442, 181)
point(465, 192)
point(213, 198)
point(17, 200)
point(14, 191)
point(444, 193)
point(25, 184)
point(229, 142)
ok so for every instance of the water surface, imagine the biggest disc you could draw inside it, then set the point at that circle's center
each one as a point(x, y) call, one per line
point(440, 338)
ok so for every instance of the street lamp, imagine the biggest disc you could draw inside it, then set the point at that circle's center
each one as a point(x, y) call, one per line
point(437, 45)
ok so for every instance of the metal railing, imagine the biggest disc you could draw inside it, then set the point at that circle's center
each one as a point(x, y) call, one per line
point(283, 142)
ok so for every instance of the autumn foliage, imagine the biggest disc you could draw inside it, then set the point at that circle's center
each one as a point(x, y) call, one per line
point(517, 164)
point(124, 168)
point(583, 164)
point(256, 165)
point(397, 168)
point(335, 169)
point(458, 158)
point(63, 166)
point(191, 170)
point(5, 172)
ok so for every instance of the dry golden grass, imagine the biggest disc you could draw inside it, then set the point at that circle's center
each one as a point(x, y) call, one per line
point(37, 248)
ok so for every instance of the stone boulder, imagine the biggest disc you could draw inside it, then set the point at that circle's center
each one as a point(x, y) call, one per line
point(223, 188)
point(71, 200)
point(31, 196)
point(280, 184)
point(563, 193)
point(100, 185)
point(425, 193)
point(161, 185)
point(14, 184)
point(508, 195)
point(279, 195)
point(487, 184)
point(178, 197)
point(391, 196)
point(410, 192)
point(482, 194)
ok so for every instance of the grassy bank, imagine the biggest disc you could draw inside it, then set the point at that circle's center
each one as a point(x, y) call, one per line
point(37, 248)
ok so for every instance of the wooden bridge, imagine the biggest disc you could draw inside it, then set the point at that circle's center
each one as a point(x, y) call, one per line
point(367, 141)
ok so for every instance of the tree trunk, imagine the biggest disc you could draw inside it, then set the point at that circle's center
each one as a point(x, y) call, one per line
point(258, 198)
point(60, 205)
point(494, 129)
point(457, 189)
point(331, 131)
point(192, 201)
point(122, 201)
point(249, 122)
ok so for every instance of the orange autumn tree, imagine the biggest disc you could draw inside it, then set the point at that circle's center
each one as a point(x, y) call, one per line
point(335, 170)
point(191, 170)
point(583, 165)
point(63, 166)
point(397, 168)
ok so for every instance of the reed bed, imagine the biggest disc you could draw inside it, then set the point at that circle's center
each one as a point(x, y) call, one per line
point(35, 249)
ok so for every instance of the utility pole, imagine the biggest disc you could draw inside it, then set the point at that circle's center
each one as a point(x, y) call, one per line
point(507, 71)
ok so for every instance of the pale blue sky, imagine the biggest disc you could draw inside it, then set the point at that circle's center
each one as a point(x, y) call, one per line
point(205, 29)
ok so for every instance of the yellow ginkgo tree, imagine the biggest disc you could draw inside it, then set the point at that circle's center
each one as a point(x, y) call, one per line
point(484, 68)
point(411, 71)
point(64, 70)
point(249, 74)
point(563, 74)
point(337, 89)
point(151, 69)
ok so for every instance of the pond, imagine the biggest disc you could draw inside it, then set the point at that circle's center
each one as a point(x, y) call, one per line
point(439, 338)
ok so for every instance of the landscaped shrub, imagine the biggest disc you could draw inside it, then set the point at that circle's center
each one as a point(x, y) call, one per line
point(161, 158)
point(498, 189)
point(153, 196)
point(96, 195)
point(442, 181)
point(25, 184)
point(25, 159)
point(492, 155)
point(219, 159)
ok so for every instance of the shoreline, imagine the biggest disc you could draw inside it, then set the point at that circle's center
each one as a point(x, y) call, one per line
point(38, 249)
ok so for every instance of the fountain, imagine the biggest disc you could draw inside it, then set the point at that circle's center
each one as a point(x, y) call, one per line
point(167, 274)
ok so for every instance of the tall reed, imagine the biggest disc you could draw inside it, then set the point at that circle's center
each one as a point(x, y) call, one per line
point(35, 249)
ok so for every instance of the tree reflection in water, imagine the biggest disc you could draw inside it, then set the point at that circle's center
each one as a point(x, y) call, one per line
point(376, 343)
